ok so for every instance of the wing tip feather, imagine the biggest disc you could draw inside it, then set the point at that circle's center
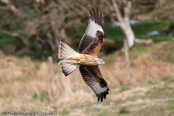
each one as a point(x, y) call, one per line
point(102, 95)
point(100, 88)
point(96, 15)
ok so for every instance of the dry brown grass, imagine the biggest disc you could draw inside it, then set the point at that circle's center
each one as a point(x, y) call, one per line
point(21, 79)
point(143, 67)
point(26, 86)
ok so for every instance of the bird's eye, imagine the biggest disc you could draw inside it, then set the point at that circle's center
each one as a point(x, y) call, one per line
point(100, 37)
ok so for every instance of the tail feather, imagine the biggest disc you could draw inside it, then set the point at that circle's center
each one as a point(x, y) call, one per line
point(67, 68)
point(65, 50)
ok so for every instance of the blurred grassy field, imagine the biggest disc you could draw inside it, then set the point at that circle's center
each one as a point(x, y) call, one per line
point(148, 98)
point(26, 86)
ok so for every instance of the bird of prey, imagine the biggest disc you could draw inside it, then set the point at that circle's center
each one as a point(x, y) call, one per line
point(87, 56)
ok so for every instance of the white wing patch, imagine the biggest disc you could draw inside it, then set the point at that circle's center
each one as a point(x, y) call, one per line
point(97, 88)
point(93, 28)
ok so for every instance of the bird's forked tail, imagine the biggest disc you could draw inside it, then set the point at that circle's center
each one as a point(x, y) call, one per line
point(65, 51)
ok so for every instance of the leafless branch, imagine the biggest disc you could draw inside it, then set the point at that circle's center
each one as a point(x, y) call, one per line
point(128, 9)
point(118, 14)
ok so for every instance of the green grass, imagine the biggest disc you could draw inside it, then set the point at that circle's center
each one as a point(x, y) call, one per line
point(170, 80)
point(124, 88)
point(163, 51)
point(152, 82)
point(158, 109)
point(124, 110)
point(161, 89)
point(141, 31)
point(99, 112)
point(138, 50)
point(64, 112)
point(170, 102)
point(44, 96)
point(35, 96)
point(103, 114)
point(91, 109)
point(160, 51)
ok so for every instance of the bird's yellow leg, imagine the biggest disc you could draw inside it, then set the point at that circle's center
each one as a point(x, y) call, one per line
point(78, 62)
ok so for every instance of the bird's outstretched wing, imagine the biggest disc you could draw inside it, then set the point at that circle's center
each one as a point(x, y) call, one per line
point(93, 78)
point(93, 37)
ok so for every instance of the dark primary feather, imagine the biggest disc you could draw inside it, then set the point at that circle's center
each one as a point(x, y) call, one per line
point(93, 78)
point(88, 40)
point(97, 17)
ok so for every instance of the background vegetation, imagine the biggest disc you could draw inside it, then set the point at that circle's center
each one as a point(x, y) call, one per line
point(30, 32)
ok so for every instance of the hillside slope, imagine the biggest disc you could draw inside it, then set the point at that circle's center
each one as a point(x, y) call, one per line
point(27, 86)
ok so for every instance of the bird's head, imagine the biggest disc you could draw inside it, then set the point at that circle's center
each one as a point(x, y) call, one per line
point(100, 36)
point(100, 61)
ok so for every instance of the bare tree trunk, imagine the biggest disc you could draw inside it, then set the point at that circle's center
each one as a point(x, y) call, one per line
point(50, 59)
point(129, 33)
point(127, 30)
point(127, 63)
point(124, 22)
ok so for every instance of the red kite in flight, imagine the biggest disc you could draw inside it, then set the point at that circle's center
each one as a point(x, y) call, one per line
point(87, 58)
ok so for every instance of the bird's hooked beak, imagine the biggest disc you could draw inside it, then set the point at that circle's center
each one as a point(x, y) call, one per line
point(100, 61)
point(103, 62)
